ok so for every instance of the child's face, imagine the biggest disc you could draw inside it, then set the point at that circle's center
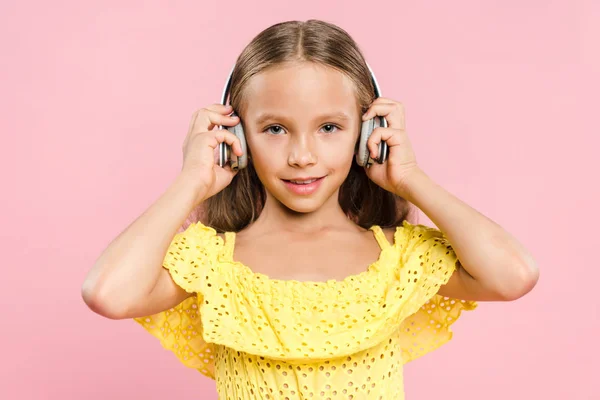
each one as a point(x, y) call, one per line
point(301, 121)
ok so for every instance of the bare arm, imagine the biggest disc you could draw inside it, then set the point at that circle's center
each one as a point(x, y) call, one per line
point(128, 279)
point(494, 265)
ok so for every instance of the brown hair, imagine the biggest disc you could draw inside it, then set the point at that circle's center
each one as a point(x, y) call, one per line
point(364, 202)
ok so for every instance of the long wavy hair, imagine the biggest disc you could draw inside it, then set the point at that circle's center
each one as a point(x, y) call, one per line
point(240, 203)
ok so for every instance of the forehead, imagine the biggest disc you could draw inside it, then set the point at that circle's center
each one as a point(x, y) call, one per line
point(300, 89)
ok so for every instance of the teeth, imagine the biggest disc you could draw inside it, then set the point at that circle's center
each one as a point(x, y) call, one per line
point(304, 182)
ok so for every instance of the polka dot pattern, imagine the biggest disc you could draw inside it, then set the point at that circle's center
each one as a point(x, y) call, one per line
point(348, 339)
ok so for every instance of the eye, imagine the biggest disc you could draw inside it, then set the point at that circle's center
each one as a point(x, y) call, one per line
point(274, 130)
point(330, 128)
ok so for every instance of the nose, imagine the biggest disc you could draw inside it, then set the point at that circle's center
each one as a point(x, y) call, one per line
point(302, 152)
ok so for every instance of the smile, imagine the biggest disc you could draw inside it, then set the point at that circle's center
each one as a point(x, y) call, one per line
point(305, 182)
point(304, 186)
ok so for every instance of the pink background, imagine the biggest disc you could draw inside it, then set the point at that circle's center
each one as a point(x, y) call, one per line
point(501, 102)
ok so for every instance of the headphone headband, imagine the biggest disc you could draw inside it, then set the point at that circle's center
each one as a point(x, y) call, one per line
point(227, 87)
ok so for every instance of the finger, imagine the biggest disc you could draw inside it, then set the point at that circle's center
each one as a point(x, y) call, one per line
point(392, 112)
point(206, 119)
point(224, 136)
point(218, 107)
point(388, 135)
point(380, 100)
point(225, 174)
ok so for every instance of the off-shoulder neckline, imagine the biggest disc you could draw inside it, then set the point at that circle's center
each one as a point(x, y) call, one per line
point(382, 241)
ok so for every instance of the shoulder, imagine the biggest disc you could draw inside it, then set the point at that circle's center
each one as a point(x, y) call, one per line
point(390, 234)
point(398, 233)
point(196, 237)
point(401, 231)
point(414, 229)
point(410, 234)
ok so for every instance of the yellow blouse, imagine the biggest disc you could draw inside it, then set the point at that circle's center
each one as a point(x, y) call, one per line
point(262, 338)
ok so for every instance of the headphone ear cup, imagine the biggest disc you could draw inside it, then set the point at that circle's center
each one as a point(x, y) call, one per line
point(240, 162)
point(363, 157)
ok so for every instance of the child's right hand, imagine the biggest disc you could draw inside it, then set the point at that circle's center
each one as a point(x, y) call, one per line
point(201, 146)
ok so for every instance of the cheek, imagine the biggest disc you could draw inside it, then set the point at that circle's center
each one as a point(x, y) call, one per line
point(263, 157)
point(340, 148)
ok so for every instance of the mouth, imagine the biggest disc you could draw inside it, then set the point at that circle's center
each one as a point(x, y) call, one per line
point(303, 185)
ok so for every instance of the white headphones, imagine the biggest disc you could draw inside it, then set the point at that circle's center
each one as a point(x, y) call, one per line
point(363, 157)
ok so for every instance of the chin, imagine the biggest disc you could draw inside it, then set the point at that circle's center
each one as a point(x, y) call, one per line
point(301, 206)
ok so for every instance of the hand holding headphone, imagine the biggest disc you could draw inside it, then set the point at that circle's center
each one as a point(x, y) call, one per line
point(363, 157)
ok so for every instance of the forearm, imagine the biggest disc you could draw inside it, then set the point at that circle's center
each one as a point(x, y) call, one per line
point(128, 269)
point(487, 252)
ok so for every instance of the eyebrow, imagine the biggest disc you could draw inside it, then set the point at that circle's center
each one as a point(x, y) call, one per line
point(339, 116)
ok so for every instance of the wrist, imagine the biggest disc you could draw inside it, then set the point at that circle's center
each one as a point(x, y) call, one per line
point(410, 181)
point(193, 185)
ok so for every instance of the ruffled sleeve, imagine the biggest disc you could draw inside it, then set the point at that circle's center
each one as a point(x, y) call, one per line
point(427, 261)
point(180, 329)
point(190, 253)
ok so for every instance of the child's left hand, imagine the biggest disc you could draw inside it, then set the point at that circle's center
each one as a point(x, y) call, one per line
point(401, 163)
